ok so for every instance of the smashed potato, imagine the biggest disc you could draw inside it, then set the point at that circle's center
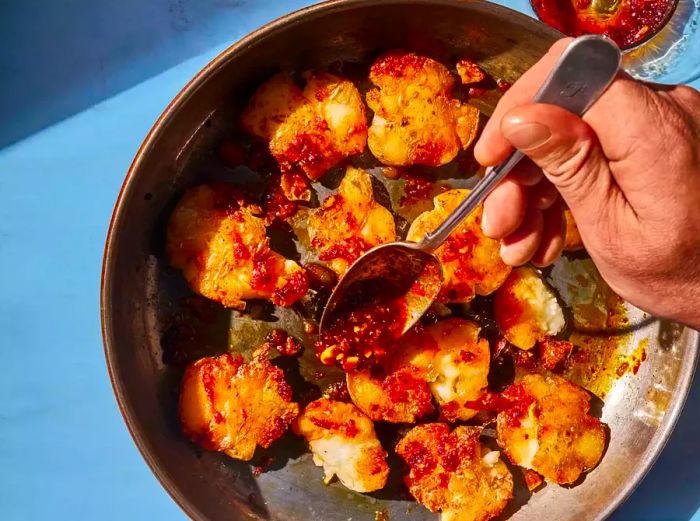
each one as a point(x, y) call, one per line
point(231, 406)
point(471, 261)
point(310, 130)
point(453, 473)
point(219, 242)
point(343, 441)
point(526, 310)
point(350, 222)
point(461, 367)
point(416, 119)
point(548, 429)
point(446, 361)
point(397, 391)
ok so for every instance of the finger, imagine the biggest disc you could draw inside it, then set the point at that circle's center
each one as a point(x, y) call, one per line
point(511, 197)
point(519, 247)
point(552, 243)
point(526, 173)
point(492, 148)
point(543, 195)
point(568, 152)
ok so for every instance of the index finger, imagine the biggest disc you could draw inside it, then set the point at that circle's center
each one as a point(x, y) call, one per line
point(492, 147)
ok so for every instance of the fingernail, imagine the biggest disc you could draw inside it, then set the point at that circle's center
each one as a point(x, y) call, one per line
point(526, 136)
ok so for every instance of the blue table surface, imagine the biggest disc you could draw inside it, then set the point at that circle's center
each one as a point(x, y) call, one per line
point(81, 83)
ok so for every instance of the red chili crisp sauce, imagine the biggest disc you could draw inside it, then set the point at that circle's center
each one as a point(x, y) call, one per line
point(632, 20)
point(371, 319)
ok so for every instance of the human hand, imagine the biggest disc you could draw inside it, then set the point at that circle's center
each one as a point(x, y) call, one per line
point(629, 170)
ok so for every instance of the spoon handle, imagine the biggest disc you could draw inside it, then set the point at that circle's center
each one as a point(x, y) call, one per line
point(583, 72)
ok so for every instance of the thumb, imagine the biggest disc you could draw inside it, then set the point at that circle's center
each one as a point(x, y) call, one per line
point(568, 152)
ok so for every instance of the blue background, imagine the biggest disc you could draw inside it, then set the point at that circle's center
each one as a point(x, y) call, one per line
point(81, 83)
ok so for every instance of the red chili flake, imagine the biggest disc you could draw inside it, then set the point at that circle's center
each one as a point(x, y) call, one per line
point(276, 204)
point(347, 428)
point(296, 287)
point(429, 154)
point(397, 64)
point(348, 249)
point(418, 186)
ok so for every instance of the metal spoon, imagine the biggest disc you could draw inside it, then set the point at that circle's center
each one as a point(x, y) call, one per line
point(583, 72)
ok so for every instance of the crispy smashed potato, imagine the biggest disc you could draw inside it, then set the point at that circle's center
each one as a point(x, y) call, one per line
point(469, 72)
point(310, 130)
point(572, 238)
point(526, 310)
point(231, 406)
point(416, 119)
point(219, 242)
point(343, 441)
point(471, 261)
point(461, 367)
point(548, 429)
point(453, 473)
point(350, 222)
point(447, 361)
point(397, 391)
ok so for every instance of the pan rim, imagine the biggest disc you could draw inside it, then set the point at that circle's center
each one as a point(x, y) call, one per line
point(268, 30)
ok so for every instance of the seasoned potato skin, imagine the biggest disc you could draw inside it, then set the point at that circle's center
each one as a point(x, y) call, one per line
point(343, 441)
point(548, 429)
point(526, 309)
point(350, 222)
point(231, 406)
point(471, 261)
point(219, 242)
point(450, 472)
point(416, 120)
point(310, 130)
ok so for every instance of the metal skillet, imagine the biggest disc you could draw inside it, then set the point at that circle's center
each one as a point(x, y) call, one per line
point(140, 293)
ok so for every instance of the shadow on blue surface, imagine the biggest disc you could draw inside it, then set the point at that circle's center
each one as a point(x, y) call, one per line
point(62, 57)
point(671, 492)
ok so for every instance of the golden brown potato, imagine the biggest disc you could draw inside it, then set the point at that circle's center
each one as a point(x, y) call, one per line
point(526, 310)
point(219, 242)
point(446, 360)
point(461, 367)
point(548, 429)
point(230, 406)
point(416, 119)
point(350, 222)
point(453, 473)
point(397, 391)
point(310, 130)
point(471, 261)
point(572, 238)
point(343, 441)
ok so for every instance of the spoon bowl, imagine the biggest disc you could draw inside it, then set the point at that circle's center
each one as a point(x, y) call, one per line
point(411, 272)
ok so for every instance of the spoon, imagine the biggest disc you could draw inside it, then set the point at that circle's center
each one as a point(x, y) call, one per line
point(583, 72)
